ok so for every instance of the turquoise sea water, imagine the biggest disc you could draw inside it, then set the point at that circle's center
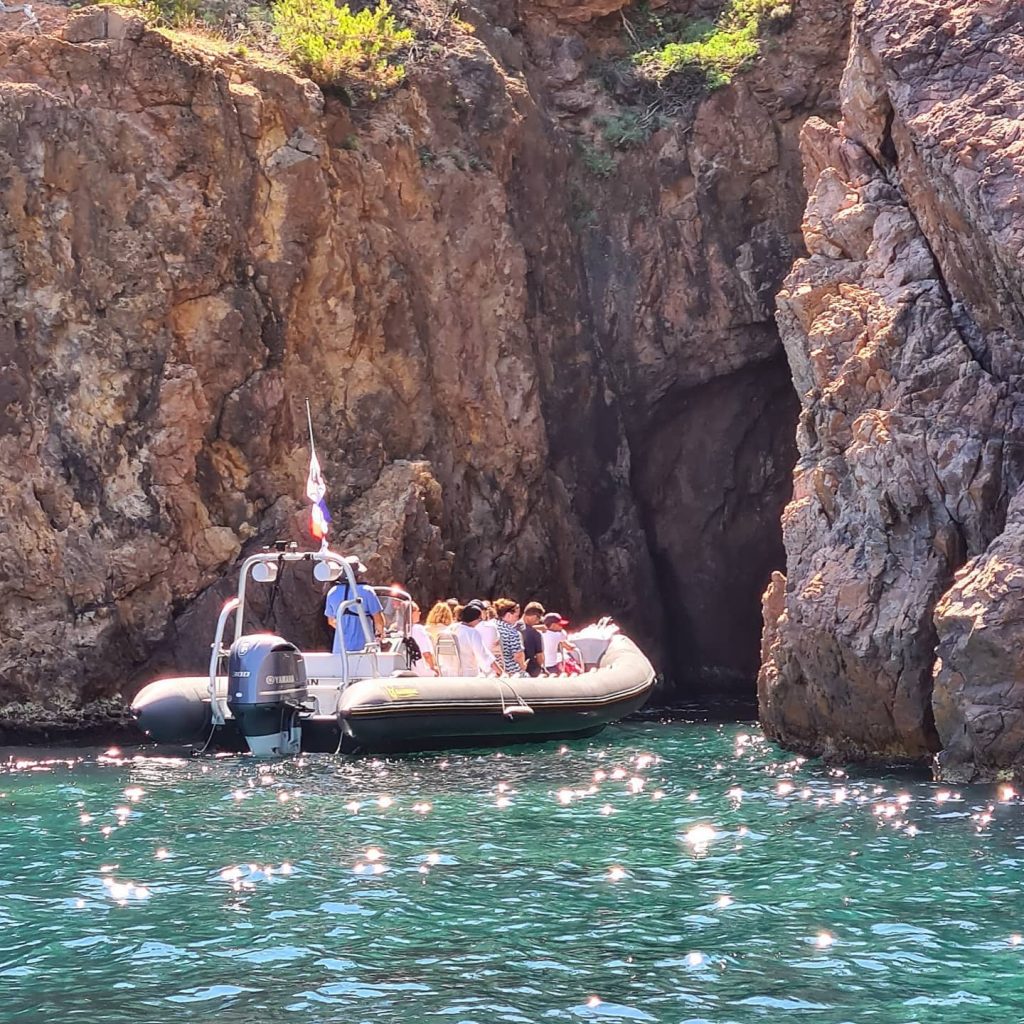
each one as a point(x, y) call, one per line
point(676, 872)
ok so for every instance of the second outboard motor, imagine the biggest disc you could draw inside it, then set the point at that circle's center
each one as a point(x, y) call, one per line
point(266, 688)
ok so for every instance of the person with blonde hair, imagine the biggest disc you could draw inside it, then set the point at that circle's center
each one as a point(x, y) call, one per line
point(438, 618)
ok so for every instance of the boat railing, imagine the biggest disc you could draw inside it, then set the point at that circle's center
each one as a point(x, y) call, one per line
point(269, 562)
point(264, 567)
point(217, 653)
point(370, 648)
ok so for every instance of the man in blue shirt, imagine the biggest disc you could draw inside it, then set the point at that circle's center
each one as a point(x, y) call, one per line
point(348, 630)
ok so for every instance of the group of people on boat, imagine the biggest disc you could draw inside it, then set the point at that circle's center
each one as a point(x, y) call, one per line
point(479, 637)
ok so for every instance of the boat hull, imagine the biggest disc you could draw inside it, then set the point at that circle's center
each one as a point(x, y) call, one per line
point(406, 713)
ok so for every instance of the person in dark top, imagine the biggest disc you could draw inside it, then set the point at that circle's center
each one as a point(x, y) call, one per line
point(533, 642)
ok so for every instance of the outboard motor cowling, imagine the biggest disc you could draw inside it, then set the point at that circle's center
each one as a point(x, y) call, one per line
point(266, 688)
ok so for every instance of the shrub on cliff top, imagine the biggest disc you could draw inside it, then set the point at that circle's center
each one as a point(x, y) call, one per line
point(718, 49)
point(334, 46)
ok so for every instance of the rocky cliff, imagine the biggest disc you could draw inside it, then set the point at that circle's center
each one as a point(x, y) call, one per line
point(525, 376)
point(897, 630)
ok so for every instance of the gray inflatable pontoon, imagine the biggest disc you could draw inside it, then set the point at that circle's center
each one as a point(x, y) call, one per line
point(429, 713)
point(264, 695)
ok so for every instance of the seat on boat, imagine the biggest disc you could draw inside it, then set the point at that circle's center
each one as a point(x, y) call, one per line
point(446, 653)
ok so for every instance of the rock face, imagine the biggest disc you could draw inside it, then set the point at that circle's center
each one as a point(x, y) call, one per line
point(895, 632)
point(506, 395)
point(687, 245)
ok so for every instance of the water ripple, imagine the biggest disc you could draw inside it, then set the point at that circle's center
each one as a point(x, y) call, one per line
point(677, 872)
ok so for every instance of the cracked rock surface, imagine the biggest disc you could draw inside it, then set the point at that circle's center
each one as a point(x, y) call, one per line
point(523, 378)
point(897, 630)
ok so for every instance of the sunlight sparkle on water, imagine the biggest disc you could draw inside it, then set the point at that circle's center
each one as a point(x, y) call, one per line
point(699, 838)
point(546, 870)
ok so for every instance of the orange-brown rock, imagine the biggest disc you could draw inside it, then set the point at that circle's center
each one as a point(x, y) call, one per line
point(522, 378)
point(903, 329)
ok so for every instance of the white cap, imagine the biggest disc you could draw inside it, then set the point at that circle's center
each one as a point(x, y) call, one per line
point(353, 560)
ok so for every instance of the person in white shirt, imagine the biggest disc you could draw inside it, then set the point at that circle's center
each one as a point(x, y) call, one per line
point(474, 656)
point(555, 642)
point(488, 627)
point(427, 665)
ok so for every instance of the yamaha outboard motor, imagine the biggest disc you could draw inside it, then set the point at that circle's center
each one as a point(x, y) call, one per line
point(266, 688)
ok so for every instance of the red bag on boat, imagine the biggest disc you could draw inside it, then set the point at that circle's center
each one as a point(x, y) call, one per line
point(572, 664)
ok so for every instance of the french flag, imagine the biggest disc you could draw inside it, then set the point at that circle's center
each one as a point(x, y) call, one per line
point(316, 489)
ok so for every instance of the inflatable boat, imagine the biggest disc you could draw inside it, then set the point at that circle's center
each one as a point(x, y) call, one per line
point(265, 696)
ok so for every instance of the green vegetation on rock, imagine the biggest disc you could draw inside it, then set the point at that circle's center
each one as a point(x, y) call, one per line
point(601, 165)
point(334, 46)
point(714, 49)
point(330, 44)
point(631, 128)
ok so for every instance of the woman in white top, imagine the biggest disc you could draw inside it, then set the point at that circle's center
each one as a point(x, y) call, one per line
point(427, 665)
point(474, 656)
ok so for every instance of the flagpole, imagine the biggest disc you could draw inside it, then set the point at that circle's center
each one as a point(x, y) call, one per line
point(309, 421)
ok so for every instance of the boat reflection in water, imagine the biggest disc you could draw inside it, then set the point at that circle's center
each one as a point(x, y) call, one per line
point(264, 695)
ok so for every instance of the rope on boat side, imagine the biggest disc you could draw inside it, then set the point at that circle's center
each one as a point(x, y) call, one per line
point(505, 710)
